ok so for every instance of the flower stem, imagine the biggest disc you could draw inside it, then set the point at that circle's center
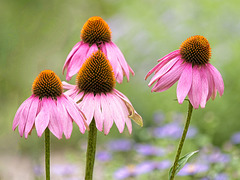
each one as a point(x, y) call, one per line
point(180, 146)
point(91, 150)
point(47, 153)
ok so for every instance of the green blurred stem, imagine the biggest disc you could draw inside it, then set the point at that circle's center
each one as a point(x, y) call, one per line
point(180, 146)
point(47, 153)
point(91, 150)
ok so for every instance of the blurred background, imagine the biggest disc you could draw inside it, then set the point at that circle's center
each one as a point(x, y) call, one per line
point(38, 35)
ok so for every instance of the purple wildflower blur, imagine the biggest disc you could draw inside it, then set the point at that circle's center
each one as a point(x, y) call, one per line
point(103, 156)
point(192, 169)
point(235, 139)
point(149, 150)
point(120, 145)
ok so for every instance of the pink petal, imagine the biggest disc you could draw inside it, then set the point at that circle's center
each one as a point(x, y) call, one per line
point(19, 112)
point(163, 70)
point(115, 110)
point(77, 60)
point(72, 52)
point(164, 61)
point(211, 86)
point(218, 81)
point(111, 55)
point(107, 115)
point(55, 121)
point(98, 112)
point(171, 55)
point(43, 117)
point(87, 106)
point(205, 87)
point(32, 115)
point(91, 50)
point(121, 59)
point(168, 79)
point(65, 118)
point(76, 114)
point(24, 116)
point(195, 93)
point(184, 83)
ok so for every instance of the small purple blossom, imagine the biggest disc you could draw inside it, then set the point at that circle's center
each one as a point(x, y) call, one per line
point(218, 157)
point(149, 150)
point(194, 168)
point(103, 156)
point(173, 130)
point(120, 145)
point(221, 176)
point(236, 138)
point(142, 168)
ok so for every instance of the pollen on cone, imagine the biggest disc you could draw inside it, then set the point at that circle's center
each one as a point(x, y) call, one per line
point(96, 74)
point(47, 84)
point(196, 50)
point(95, 30)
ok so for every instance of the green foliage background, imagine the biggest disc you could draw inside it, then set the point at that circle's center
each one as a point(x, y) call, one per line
point(38, 35)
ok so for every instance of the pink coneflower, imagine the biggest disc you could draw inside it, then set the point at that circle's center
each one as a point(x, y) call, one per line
point(97, 97)
point(190, 65)
point(48, 108)
point(95, 35)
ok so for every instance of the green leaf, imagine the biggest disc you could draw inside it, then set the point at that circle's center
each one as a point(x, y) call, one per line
point(181, 162)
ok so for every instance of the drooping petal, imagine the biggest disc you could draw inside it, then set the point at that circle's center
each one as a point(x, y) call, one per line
point(116, 112)
point(98, 116)
point(166, 68)
point(170, 78)
point(76, 114)
point(195, 93)
point(218, 81)
point(31, 115)
point(19, 112)
point(205, 87)
point(43, 117)
point(65, 118)
point(24, 115)
point(77, 60)
point(121, 60)
point(112, 57)
point(107, 116)
point(184, 83)
point(211, 85)
point(55, 123)
point(171, 55)
point(72, 52)
point(132, 113)
point(87, 106)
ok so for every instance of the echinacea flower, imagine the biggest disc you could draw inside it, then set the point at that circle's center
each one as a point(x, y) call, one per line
point(49, 108)
point(95, 35)
point(97, 98)
point(190, 66)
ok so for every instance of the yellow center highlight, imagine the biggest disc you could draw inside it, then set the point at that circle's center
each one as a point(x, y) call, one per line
point(196, 50)
point(96, 75)
point(47, 84)
point(95, 30)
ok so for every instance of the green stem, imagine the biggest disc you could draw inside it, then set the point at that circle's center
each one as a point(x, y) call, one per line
point(180, 146)
point(91, 150)
point(47, 153)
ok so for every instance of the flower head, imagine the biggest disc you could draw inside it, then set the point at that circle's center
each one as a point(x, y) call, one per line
point(97, 97)
point(49, 108)
point(190, 66)
point(96, 35)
